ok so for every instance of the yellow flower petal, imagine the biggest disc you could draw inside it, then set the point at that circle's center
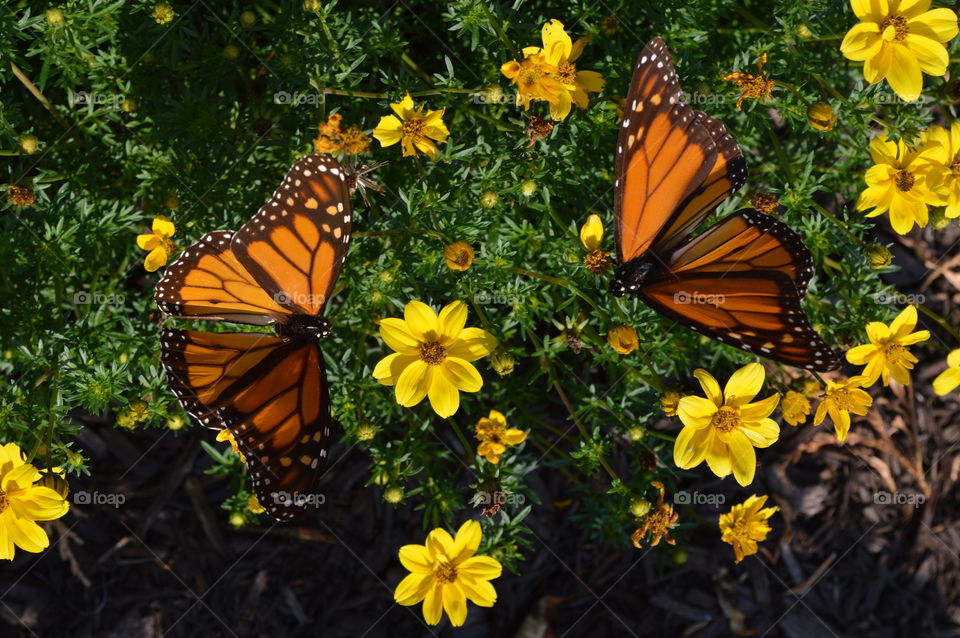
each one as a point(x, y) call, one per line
point(472, 344)
point(904, 74)
point(413, 588)
point(24, 533)
point(163, 227)
point(480, 592)
point(904, 322)
point(398, 337)
point(422, 321)
point(389, 131)
point(462, 374)
point(443, 394)
point(696, 412)
point(931, 55)
point(481, 567)
point(413, 383)
point(155, 259)
point(389, 368)
point(453, 317)
point(690, 448)
point(148, 242)
point(744, 384)
point(455, 604)
point(862, 42)
point(467, 541)
point(946, 381)
point(743, 458)
point(404, 108)
point(416, 559)
point(710, 386)
point(433, 605)
point(591, 233)
point(760, 410)
point(938, 24)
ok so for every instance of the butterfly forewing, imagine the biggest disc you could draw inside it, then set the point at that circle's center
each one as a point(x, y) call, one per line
point(664, 153)
point(271, 393)
point(208, 282)
point(297, 242)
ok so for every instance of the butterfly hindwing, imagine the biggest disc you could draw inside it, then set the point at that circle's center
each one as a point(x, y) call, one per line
point(208, 282)
point(271, 393)
point(297, 242)
point(664, 153)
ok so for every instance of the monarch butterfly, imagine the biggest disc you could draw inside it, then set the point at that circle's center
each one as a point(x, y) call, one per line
point(741, 280)
point(269, 390)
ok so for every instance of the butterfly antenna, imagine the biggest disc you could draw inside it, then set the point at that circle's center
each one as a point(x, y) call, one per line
point(357, 179)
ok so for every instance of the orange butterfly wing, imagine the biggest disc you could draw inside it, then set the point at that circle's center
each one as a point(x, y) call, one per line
point(741, 282)
point(295, 245)
point(208, 282)
point(664, 153)
point(271, 393)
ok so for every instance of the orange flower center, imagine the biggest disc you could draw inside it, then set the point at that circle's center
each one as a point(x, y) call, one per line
point(566, 73)
point(841, 398)
point(4, 501)
point(894, 353)
point(445, 572)
point(597, 262)
point(955, 164)
point(413, 128)
point(432, 353)
point(530, 74)
point(726, 418)
point(898, 26)
point(904, 180)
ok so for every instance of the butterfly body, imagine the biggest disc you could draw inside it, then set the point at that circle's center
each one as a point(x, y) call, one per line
point(740, 281)
point(269, 390)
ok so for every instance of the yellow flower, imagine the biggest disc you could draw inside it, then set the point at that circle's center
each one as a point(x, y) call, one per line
point(502, 362)
point(839, 400)
point(623, 339)
point(331, 138)
point(393, 495)
point(756, 87)
point(879, 256)
point(22, 503)
point(458, 255)
point(176, 422)
point(947, 155)
point(54, 17)
point(494, 435)
point(432, 356)
point(949, 379)
point(656, 522)
point(225, 435)
point(21, 195)
point(412, 128)
point(489, 199)
point(445, 573)
point(900, 40)
point(669, 401)
point(163, 13)
point(28, 144)
point(902, 181)
point(549, 74)
point(887, 353)
point(158, 243)
point(139, 411)
point(746, 524)
point(724, 427)
point(125, 420)
point(820, 116)
point(765, 202)
point(795, 408)
point(366, 432)
point(254, 505)
point(591, 236)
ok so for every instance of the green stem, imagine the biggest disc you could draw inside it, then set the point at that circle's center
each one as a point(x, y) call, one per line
point(940, 320)
point(839, 224)
point(501, 33)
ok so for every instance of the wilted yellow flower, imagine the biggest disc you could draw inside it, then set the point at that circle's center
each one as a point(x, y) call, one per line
point(22, 503)
point(795, 408)
point(623, 339)
point(839, 400)
point(495, 436)
point(746, 524)
point(879, 256)
point(332, 138)
point(591, 236)
point(226, 435)
point(432, 356)
point(550, 73)
point(887, 353)
point(724, 427)
point(949, 379)
point(458, 255)
point(20, 195)
point(820, 116)
point(502, 362)
point(902, 181)
point(538, 128)
point(163, 13)
point(900, 40)
point(756, 87)
point(158, 243)
point(254, 505)
point(669, 401)
point(656, 522)
point(413, 128)
point(765, 202)
point(445, 573)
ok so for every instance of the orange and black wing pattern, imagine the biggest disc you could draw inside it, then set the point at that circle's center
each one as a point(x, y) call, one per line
point(742, 282)
point(295, 245)
point(664, 154)
point(208, 282)
point(271, 394)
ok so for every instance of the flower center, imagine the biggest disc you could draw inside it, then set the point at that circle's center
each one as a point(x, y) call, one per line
point(432, 353)
point(894, 28)
point(530, 75)
point(841, 396)
point(597, 262)
point(446, 572)
point(955, 164)
point(726, 418)
point(4, 501)
point(566, 73)
point(413, 128)
point(894, 353)
point(903, 180)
